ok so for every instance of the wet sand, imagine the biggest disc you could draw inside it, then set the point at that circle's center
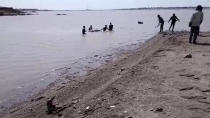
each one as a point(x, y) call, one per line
point(157, 80)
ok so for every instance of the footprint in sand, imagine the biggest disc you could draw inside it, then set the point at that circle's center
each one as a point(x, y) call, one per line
point(181, 70)
point(204, 101)
point(186, 89)
point(194, 97)
point(206, 91)
point(155, 67)
point(199, 109)
point(187, 75)
point(159, 55)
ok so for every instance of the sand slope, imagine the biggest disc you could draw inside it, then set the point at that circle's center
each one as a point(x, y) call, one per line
point(154, 81)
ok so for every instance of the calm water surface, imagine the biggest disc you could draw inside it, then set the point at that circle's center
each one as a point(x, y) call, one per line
point(31, 46)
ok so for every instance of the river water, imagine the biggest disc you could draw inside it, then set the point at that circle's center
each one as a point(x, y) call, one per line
point(32, 47)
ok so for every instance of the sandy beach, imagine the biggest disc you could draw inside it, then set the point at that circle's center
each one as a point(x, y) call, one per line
point(165, 78)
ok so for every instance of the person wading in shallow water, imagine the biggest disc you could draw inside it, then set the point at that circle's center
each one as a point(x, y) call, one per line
point(83, 30)
point(161, 23)
point(90, 28)
point(173, 20)
point(105, 28)
point(195, 22)
point(111, 26)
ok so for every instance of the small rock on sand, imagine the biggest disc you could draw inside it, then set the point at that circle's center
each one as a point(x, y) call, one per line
point(188, 56)
point(159, 110)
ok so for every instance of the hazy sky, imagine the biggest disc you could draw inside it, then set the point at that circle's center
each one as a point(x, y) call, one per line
point(99, 4)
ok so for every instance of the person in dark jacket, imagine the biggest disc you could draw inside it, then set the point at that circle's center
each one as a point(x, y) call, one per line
point(84, 30)
point(111, 26)
point(105, 28)
point(161, 23)
point(173, 20)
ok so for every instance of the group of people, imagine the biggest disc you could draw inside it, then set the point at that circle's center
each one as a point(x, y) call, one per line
point(173, 21)
point(105, 28)
point(195, 22)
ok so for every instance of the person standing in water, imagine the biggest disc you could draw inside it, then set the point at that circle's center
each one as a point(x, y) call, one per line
point(111, 26)
point(173, 20)
point(161, 23)
point(90, 28)
point(104, 28)
point(83, 30)
point(195, 22)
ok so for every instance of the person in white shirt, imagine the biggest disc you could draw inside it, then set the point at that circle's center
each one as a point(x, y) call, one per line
point(195, 22)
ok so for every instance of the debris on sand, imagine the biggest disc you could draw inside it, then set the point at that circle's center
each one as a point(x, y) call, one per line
point(88, 111)
point(159, 110)
point(122, 69)
point(53, 109)
point(37, 99)
point(50, 106)
point(188, 56)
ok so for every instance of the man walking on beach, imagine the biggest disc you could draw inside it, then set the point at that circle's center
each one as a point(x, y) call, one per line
point(195, 22)
point(173, 20)
point(161, 23)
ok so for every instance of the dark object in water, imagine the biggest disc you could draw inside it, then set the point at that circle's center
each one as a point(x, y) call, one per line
point(61, 14)
point(95, 31)
point(105, 28)
point(90, 28)
point(140, 22)
point(111, 26)
point(84, 30)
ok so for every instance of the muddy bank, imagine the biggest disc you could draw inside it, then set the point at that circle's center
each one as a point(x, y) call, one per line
point(9, 11)
point(167, 77)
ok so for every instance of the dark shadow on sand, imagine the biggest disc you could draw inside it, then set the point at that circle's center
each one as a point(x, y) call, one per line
point(203, 44)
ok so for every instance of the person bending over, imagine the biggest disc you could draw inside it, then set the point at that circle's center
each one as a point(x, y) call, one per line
point(161, 23)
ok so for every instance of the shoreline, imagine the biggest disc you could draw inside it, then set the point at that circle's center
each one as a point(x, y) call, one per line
point(69, 72)
point(137, 84)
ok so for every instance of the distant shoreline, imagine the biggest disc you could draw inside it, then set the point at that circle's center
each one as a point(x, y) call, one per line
point(9, 11)
point(21, 11)
point(146, 8)
point(157, 8)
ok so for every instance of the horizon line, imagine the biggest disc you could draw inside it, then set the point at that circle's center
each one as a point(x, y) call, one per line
point(135, 8)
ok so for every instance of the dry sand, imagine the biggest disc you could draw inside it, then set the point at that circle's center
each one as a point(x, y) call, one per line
point(154, 81)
